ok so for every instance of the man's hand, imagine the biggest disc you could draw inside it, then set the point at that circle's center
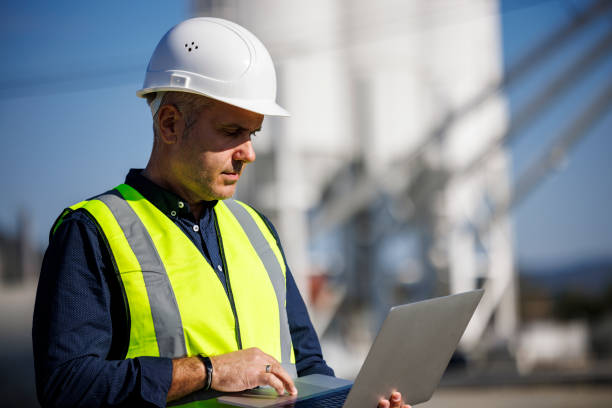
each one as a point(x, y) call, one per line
point(394, 401)
point(246, 369)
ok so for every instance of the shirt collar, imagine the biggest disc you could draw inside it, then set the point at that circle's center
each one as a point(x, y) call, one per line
point(166, 201)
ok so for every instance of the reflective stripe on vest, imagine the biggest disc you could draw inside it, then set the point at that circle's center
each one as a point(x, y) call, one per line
point(177, 305)
point(272, 265)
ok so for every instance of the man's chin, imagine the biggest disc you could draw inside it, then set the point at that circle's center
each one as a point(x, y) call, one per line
point(226, 192)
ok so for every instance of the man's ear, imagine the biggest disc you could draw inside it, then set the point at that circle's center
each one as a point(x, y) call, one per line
point(171, 124)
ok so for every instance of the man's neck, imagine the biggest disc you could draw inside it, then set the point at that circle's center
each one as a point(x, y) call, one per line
point(196, 207)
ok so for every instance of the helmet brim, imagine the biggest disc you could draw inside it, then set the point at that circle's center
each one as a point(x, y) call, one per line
point(261, 106)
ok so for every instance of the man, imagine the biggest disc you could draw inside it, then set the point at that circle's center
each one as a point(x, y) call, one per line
point(159, 290)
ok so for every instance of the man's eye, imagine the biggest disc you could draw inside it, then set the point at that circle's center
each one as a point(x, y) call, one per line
point(232, 132)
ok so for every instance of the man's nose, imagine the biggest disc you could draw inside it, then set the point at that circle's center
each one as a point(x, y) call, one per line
point(245, 152)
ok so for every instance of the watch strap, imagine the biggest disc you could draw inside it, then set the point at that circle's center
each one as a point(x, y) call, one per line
point(209, 370)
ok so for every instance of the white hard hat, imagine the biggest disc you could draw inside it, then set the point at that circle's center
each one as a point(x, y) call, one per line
point(218, 59)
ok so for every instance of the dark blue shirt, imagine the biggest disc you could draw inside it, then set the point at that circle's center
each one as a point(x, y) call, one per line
point(80, 326)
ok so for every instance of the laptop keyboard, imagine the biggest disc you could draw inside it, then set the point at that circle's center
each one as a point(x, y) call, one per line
point(333, 400)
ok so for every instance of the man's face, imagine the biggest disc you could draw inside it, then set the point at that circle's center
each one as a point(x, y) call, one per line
point(213, 152)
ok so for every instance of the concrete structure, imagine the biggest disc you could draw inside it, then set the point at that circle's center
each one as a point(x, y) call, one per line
point(384, 132)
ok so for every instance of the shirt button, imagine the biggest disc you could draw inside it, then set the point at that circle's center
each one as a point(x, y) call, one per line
point(219, 267)
point(173, 213)
point(196, 228)
point(181, 204)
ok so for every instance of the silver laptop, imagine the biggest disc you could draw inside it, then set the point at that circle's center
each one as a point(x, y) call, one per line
point(409, 355)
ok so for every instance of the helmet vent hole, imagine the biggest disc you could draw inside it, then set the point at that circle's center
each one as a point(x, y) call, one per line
point(191, 47)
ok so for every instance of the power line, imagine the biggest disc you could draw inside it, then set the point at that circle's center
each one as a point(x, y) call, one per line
point(66, 82)
point(54, 84)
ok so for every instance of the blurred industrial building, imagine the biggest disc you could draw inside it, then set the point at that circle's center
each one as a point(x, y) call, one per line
point(20, 261)
point(20, 258)
point(391, 182)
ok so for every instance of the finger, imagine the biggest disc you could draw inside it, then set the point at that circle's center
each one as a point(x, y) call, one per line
point(284, 376)
point(396, 400)
point(383, 403)
point(277, 369)
point(274, 382)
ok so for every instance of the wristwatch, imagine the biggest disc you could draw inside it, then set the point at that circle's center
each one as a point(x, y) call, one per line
point(209, 370)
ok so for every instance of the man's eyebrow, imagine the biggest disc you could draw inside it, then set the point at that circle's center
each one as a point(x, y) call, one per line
point(238, 127)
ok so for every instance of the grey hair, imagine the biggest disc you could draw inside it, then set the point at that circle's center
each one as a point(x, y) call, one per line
point(189, 104)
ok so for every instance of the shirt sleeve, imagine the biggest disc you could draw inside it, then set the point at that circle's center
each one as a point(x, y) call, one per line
point(308, 354)
point(73, 328)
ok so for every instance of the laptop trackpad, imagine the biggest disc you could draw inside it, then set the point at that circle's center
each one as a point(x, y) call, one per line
point(267, 397)
point(304, 390)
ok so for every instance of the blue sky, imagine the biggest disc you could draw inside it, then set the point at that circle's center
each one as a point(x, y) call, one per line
point(569, 215)
point(71, 124)
point(69, 117)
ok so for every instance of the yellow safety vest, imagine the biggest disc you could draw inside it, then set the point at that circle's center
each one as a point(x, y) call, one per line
point(176, 304)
